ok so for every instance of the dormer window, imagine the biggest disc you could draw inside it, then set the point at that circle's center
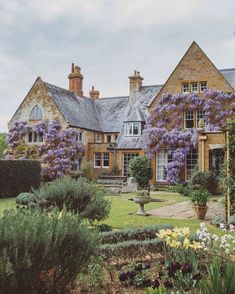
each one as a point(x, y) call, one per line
point(132, 129)
point(36, 113)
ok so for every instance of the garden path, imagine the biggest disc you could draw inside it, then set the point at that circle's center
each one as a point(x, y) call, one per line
point(184, 210)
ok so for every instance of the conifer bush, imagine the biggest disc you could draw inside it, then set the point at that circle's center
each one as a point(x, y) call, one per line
point(42, 252)
point(80, 196)
point(140, 170)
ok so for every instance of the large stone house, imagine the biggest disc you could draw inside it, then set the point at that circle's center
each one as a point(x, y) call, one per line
point(111, 127)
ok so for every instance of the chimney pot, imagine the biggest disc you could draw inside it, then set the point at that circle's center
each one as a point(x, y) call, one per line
point(135, 82)
point(76, 80)
point(94, 94)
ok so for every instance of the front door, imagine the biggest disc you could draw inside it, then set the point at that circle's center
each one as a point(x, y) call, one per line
point(216, 160)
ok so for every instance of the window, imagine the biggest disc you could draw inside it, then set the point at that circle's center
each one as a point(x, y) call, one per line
point(79, 137)
point(108, 138)
point(188, 119)
point(97, 160)
point(185, 88)
point(132, 129)
point(194, 87)
point(34, 137)
point(36, 113)
point(126, 159)
point(76, 165)
point(161, 164)
point(105, 160)
point(200, 115)
point(116, 136)
point(98, 137)
point(191, 162)
point(203, 86)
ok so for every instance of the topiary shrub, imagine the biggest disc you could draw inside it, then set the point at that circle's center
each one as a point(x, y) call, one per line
point(140, 170)
point(26, 199)
point(206, 181)
point(42, 252)
point(76, 196)
point(17, 176)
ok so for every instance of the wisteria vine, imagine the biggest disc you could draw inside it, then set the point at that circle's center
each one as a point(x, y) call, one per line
point(57, 152)
point(165, 126)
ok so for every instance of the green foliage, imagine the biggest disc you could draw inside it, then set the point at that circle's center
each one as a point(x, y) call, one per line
point(132, 248)
point(206, 181)
point(104, 228)
point(159, 290)
point(200, 197)
point(87, 170)
point(76, 196)
point(17, 176)
point(221, 278)
point(217, 220)
point(26, 199)
point(3, 144)
point(181, 189)
point(42, 252)
point(141, 233)
point(140, 170)
point(143, 193)
point(232, 219)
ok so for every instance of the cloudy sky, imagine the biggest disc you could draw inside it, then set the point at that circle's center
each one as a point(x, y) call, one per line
point(108, 39)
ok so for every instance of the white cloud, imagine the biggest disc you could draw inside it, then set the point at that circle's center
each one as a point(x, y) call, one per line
point(108, 39)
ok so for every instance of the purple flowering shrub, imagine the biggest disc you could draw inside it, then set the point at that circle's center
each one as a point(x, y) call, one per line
point(164, 128)
point(57, 152)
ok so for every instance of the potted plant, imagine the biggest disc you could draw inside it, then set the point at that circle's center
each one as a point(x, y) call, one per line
point(199, 199)
point(142, 197)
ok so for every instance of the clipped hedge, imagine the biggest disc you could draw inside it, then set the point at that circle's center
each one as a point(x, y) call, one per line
point(17, 176)
point(141, 233)
point(132, 248)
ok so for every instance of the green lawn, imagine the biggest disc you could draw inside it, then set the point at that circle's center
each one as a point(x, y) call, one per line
point(122, 212)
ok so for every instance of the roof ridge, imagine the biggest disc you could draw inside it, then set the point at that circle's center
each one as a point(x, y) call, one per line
point(115, 97)
point(223, 69)
point(158, 85)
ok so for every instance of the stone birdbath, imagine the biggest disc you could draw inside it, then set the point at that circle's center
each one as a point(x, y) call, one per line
point(142, 198)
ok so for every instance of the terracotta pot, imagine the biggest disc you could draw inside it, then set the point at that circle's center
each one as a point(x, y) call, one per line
point(200, 211)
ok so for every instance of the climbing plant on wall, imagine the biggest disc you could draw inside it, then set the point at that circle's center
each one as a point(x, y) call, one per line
point(57, 152)
point(165, 126)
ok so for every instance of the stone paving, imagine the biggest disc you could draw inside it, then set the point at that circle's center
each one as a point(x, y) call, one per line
point(184, 210)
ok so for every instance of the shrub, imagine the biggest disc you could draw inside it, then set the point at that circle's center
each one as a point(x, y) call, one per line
point(132, 248)
point(42, 252)
point(140, 170)
point(87, 170)
point(17, 176)
point(142, 233)
point(181, 189)
point(26, 199)
point(200, 197)
point(232, 219)
point(76, 196)
point(217, 220)
point(206, 181)
point(3, 144)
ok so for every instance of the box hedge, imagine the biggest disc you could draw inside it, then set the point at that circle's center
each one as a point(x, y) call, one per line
point(17, 176)
point(140, 234)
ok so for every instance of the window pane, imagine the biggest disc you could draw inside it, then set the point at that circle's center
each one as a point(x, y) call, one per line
point(185, 87)
point(36, 113)
point(126, 159)
point(189, 119)
point(191, 162)
point(136, 128)
point(203, 86)
point(97, 162)
point(194, 87)
point(162, 161)
point(105, 159)
point(30, 137)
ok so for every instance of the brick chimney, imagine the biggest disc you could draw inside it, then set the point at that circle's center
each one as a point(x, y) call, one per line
point(94, 94)
point(135, 82)
point(75, 80)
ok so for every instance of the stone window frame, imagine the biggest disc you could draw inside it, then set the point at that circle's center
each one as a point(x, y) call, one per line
point(97, 158)
point(202, 88)
point(189, 115)
point(194, 87)
point(98, 137)
point(41, 110)
point(105, 158)
point(185, 87)
point(191, 161)
point(34, 138)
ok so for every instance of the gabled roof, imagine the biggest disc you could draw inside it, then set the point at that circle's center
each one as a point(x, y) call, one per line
point(78, 111)
point(111, 112)
point(229, 75)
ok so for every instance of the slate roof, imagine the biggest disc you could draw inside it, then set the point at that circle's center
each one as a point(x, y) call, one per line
point(109, 114)
point(112, 112)
point(229, 75)
point(79, 112)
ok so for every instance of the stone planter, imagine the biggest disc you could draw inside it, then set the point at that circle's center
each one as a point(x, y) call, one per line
point(200, 211)
point(141, 201)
